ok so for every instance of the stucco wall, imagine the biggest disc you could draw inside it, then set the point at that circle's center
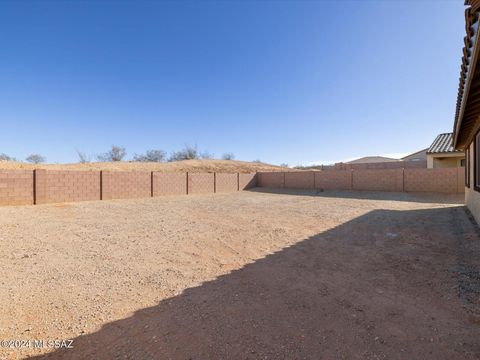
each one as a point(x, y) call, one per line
point(444, 161)
point(472, 197)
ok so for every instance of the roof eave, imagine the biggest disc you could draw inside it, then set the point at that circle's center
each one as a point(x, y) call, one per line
point(474, 7)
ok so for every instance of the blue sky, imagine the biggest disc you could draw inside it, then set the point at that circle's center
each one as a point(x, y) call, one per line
point(284, 82)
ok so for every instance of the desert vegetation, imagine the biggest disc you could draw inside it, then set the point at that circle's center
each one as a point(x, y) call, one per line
point(35, 158)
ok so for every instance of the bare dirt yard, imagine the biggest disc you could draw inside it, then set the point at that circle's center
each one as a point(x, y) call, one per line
point(250, 275)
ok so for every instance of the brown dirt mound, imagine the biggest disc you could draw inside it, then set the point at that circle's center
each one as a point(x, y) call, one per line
point(176, 166)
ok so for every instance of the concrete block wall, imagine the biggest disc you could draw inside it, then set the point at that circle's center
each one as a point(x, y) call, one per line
point(422, 164)
point(378, 180)
point(66, 186)
point(126, 184)
point(441, 180)
point(27, 187)
point(300, 180)
point(16, 187)
point(447, 180)
point(169, 184)
point(271, 179)
point(247, 181)
point(333, 180)
point(226, 182)
point(201, 183)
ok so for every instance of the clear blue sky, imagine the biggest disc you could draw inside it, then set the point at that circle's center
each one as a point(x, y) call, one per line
point(295, 82)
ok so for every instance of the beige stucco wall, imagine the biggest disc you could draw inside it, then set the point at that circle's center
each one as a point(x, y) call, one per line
point(472, 197)
point(444, 161)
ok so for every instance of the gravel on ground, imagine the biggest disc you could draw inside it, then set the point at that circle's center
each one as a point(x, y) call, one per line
point(271, 275)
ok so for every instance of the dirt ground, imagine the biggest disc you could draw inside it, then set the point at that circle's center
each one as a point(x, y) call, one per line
point(174, 166)
point(250, 275)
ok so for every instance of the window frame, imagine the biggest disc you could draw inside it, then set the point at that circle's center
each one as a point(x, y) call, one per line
point(467, 167)
point(476, 143)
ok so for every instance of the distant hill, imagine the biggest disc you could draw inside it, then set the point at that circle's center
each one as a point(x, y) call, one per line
point(175, 166)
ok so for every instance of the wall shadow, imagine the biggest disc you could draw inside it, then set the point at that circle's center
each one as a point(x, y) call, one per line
point(383, 285)
point(431, 198)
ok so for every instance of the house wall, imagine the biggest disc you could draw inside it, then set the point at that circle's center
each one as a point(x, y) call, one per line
point(444, 161)
point(472, 197)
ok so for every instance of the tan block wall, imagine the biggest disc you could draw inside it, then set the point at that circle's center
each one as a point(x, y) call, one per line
point(66, 186)
point(126, 184)
point(378, 180)
point(428, 180)
point(201, 183)
point(431, 180)
point(247, 181)
point(169, 184)
point(333, 180)
point(300, 180)
point(16, 187)
point(381, 165)
point(271, 179)
point(226, 182)
point(419, 164)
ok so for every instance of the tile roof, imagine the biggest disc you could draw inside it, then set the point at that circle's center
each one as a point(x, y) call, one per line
point(466, 70)
point(443, 143)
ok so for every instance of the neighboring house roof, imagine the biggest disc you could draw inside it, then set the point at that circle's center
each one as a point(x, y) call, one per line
point(416, 156)
point(468, 105)
point(443, 143)
point(371, 159)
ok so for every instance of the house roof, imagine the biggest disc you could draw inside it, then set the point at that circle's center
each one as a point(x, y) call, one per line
point(419, 155)
point(443, 143)
point(468, 99)
point(371, 159)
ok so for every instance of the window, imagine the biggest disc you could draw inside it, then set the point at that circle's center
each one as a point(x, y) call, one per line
point(467, 166)
point(476, 159)
point(462, 163)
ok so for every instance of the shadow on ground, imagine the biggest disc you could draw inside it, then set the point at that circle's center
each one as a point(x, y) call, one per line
point(418, 197)
point(384, 285)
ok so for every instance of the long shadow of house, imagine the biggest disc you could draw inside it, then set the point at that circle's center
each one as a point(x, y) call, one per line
point(386, 285)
